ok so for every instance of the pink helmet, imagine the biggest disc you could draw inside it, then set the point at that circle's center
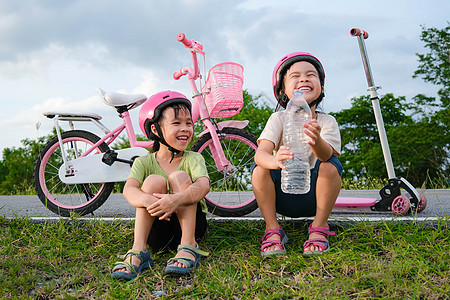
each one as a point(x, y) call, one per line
point(152, 109)
point(284, 64)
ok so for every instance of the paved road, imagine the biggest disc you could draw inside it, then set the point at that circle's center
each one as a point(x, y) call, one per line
point(117, 207)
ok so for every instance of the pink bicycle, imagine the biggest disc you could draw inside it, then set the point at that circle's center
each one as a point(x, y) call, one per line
point(76, 171)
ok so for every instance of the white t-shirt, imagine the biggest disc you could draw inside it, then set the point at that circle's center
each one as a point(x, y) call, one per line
point(329, 132)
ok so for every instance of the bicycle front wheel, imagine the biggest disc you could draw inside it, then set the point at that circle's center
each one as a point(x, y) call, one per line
point(67, 199)
point(231, 192)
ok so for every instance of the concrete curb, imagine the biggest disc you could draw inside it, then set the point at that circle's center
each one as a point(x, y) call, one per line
point(432, 221)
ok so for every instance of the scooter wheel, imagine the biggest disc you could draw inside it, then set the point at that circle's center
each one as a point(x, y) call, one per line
point(422, 204)
point(401, 205)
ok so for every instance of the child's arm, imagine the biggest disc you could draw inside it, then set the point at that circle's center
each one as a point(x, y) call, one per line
point(265, 159)
point(135, 196)
point(321, 149)
point(195, 192)
point(169, 203)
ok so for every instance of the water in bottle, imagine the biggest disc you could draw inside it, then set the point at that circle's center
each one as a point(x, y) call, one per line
point(295, 179)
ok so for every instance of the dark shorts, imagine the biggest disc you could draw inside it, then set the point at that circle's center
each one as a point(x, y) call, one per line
point(299, 205)
point(166, 235)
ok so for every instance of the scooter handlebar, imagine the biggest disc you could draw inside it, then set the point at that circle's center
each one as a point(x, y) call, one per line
point(357, 32)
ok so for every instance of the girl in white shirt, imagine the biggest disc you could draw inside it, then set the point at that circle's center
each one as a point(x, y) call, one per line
point(298, 71)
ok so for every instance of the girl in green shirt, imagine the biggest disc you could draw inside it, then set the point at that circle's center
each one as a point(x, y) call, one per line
point(167, 188)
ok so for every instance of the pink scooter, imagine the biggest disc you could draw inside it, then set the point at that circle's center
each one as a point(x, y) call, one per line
point(391, 194)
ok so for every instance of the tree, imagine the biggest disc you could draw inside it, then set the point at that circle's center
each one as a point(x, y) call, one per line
point(256, 111)
point(361, 150)
point(16, 167)
point(434, 67)
point(418, 147)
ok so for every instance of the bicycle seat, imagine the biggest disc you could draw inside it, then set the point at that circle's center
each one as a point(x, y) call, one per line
point(119, 100)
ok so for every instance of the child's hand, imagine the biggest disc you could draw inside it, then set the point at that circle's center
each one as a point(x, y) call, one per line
point(312, 130)
point(164, 207)
point(283, 154)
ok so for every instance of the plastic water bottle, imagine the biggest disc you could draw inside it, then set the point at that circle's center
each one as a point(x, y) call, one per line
point(295, 179)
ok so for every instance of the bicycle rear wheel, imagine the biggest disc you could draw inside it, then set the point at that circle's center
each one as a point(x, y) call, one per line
point(67, 199)
point(231, 192)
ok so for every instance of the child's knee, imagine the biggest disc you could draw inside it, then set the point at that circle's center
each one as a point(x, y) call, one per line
point(259, 173)
point(179, 179)
point(328, 169)
point(262, 179)
point(154, 184)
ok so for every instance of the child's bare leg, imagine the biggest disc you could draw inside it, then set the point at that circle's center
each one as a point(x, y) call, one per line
point(144, 221)
point(264, 190)
point(327, 190)
point(179, 181)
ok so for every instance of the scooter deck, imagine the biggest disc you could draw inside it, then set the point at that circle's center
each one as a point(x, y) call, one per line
point(354, 202)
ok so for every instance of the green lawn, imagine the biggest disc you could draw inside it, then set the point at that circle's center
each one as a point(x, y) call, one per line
point(72, 260)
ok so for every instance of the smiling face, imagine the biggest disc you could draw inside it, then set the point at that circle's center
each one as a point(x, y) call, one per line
point(176, 127)
point(303, 76)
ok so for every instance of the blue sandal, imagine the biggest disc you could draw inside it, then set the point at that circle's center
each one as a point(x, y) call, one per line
point(146, 263)
point(267, 243)
point(323, 244)
point(186, 261)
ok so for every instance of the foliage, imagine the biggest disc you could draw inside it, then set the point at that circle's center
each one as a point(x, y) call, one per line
point(256, 111)
point(434, 67)
point(418, 147)
point(16, 167)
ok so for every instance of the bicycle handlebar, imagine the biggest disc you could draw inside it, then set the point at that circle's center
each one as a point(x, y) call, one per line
point(182, 38)
point(177, 75)
point(357, 32)
point(194, 47)
point(191, 44)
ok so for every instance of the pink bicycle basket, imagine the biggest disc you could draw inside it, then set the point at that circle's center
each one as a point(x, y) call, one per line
point(223, 90)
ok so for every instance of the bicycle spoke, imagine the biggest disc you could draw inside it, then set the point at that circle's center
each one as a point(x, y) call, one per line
point(231, 188)
point(54, 174)
point(62, 198)
point(55, 186)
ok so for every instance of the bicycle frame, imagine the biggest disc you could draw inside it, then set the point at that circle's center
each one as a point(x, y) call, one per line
point(109, 137)
point(199, 109)
point(75, 171)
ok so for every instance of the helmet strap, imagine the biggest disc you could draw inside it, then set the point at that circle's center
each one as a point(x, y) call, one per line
point(161, 139)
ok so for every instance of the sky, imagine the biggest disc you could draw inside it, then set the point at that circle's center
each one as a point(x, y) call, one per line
point(53, 54)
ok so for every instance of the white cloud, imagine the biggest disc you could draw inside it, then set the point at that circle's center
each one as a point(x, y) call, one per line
point(38, 64)
point(27, 118)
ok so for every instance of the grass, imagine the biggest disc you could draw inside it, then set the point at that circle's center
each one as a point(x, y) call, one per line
point(73, 259)
point(366, 183)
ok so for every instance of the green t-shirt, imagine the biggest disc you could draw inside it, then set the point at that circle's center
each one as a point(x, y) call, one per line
point(192, 163)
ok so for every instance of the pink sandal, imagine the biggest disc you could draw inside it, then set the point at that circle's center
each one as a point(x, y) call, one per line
point(267, 243)
point(323, 244)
